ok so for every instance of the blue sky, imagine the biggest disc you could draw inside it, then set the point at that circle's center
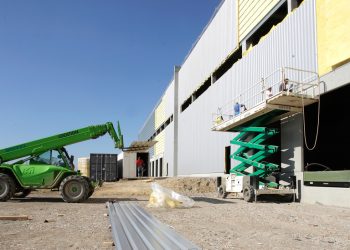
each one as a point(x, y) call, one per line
point(68, 64)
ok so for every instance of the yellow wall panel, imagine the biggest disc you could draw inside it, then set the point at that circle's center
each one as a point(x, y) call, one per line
point(159, 114)
point(250, 13)
point(159, 146)
point(333, 36)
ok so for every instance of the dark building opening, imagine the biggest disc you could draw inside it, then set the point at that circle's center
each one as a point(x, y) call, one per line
point(144, 157)
point(330, 153)
point(265, 27)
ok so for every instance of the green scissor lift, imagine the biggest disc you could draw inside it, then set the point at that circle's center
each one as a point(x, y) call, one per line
point(252, 154)
point(251, 139)
point(256, 135)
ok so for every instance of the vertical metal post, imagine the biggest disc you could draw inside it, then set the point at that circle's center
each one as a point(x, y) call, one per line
point(263, 88)
point(176, 119)
point(282, 74)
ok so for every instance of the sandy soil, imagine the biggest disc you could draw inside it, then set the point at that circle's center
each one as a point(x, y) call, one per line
point(212, 223)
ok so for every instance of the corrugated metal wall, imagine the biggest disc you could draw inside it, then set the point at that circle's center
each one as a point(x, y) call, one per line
point(148, 128)
point(162, 112)
point(217, 41)
point(251, 12)
point(159, 114)
point(169, 96)
point(201, 150)
point(169, 150)
point(291, 43)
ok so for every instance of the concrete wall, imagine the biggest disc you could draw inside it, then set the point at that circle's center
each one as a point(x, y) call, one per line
point(326, 196)
point(292, 146)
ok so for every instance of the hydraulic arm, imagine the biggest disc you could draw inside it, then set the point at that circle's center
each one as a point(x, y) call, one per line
point(250, 140)
point(58, 141)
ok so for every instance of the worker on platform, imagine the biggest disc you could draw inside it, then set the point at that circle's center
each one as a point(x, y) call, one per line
point(237, 109)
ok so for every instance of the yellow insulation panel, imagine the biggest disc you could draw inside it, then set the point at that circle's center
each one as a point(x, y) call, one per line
point(333, 36)
point(159, 114)
point(250, 13)
point(159, 146)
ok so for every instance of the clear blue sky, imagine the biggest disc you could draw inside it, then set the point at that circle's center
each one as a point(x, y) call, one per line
point(67, 64)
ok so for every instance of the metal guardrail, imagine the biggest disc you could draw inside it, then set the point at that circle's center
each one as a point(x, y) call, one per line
point(134, 228)
point(301, 83)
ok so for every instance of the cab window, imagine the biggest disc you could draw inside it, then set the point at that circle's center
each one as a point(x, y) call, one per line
point(51, 157)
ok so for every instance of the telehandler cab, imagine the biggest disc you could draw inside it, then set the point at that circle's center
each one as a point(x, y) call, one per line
point(45, 164)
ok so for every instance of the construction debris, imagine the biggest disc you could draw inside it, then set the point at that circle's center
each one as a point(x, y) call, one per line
point(14, 217)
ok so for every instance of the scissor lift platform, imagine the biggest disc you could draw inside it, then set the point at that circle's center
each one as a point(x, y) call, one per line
point(279, 106)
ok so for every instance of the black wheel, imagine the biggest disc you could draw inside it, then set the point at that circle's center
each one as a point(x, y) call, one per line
point(22, 194)
point(74, 188)
point(91, 187)
point(7, 187)
point(287, 198)
point(248, 193)
point(221, 192)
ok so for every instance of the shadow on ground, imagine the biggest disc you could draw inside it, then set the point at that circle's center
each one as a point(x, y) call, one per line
point(60, 200)
point(212, 200)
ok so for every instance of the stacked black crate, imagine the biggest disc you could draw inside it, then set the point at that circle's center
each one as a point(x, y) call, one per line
point(96, 167)
point(110, 165)
point(103, 167)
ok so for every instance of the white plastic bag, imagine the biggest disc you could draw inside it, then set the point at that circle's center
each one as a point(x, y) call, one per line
point(163, 197)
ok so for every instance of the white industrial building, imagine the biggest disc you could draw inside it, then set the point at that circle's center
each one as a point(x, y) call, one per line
point(246, 47)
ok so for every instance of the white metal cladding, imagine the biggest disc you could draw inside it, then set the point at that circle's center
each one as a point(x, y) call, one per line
point(200, 149)
point(251, 13)
point(148, 128)
point(169, 104)
point(169, 150)
point(217, 41)
point(292, 43)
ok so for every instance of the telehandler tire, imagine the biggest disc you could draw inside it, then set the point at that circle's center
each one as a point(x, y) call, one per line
point(22, 194)
point(74, 189)
point(91, 187)
point(248, 193)
point(7, 187)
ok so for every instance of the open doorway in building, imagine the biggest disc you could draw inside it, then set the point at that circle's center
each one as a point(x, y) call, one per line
point(161, 167)
point(144, 157)
point(152, 171)
point(327, 164)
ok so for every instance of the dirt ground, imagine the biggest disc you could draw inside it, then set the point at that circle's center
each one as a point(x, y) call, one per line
point(212, 223)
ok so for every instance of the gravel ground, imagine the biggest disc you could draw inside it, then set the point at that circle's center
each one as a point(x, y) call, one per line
point(212, 223)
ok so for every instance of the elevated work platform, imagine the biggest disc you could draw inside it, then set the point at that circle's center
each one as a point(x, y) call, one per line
point(268, 107)
point(275, 108)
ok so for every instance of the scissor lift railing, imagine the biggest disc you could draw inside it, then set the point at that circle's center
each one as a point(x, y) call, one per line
point(304, 90)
